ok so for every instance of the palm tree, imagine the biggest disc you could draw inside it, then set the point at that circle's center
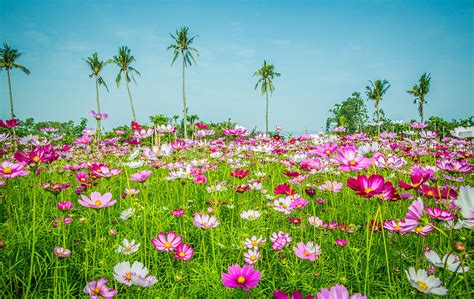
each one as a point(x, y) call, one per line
point(123, 60)
point(182, 45)
point(8, 58)
point(266, 75)
point(375, 92)
point(420, 91)
point(96, 65)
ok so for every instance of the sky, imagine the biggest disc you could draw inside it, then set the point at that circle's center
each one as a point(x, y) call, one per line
point(324, 50)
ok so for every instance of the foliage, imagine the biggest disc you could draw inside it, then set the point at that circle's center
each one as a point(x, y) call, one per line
point(350, 113)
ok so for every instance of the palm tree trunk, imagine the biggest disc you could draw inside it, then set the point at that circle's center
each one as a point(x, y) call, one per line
point(378, 117)
point(130, 96)
point(11, 104)
point(266, 112)
point(422, 100)
point(184, 102)
point(98, 108)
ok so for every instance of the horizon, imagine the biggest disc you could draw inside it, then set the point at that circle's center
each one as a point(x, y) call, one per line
point(383, 40)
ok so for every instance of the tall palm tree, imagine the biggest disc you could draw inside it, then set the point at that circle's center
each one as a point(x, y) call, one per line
point(8, 58)
point(266, 75)
point(182, 45)
point(96, 65)
point(375, 92)
point(124, 60)
point(420, 91)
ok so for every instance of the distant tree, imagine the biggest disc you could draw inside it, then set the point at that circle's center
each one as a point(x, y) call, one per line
point(8, 61)
point(350, 113)
point(124, 60)
point(375, 92)
point(96, 65)
point(159, 119)
point(419, 91)
point(182, 45)
point(265, 75)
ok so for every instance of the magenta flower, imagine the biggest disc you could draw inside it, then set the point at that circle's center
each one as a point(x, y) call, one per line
point(438, 214)
point(177, 212)
point(97, 288)
point(184, 252)
point(200, 179)
point(241, 277)
point(338, 292)
point(307, 251)
point(97, 201)
point(9, 170)
point(98, 115)
point(341, 242)
point(64, 205)
point(299, 203)
point(168, 243)
point(367, 187)
point(140, 176)
point(349, 160)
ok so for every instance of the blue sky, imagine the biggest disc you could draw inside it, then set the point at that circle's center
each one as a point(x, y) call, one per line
point(325, 50)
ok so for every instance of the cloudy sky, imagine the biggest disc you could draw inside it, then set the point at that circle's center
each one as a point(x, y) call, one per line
point(325, 50)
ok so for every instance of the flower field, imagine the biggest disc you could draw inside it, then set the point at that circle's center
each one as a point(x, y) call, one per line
point(232, 214)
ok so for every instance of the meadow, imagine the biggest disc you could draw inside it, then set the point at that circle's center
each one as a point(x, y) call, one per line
point(141, 213)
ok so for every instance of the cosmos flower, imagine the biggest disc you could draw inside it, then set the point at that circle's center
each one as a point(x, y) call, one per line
point(349, 160)
point(97, 201)
point(280, 240)
point(128, 247)
point(241, 277)
point(465, 202)
point(254, 242)
point(140, 176)
point(331, 187)
point(205, 221)
point(168, 243)
point(420, 280)
point(123, 272)
point(449, 261)
point(61, 252)
point(97, 288)
point(307, 251)
point(338, 292)
point(367, 187)
point(9, 170)
point(250, 215)
point(184, 252)
point(251, 256)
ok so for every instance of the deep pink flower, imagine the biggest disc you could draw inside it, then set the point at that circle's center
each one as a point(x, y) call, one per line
point(9, 170)
point(200, 179)
point(239, 173)
point(168, 243)
point(64, 205)
point(95, 289)
point(284, 189)
point(438, 214)
point(177, 212)
point(184, 252)
point(279, 294)
point(10, 123)
point(349, 160)
point(341, 242)
point(299, 203)
point(241, 277)
point(367, 187)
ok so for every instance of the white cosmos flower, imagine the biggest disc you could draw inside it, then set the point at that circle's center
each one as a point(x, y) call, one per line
point(143, 282)
point(420, 280)
point(465, 202)
point(135, 164)
point(128, 247)
point(449, 261)
point(123, 272)
point(126, 214)
point(461, 132)
point(250, 215)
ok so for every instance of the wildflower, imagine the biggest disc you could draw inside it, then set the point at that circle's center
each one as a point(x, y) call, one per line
point(98, 288)
point(177, 212)
point(205, 221)
point(315, 221)
point(350, 161)
point(98, 116)
point(307, 251)
point(143, 282)
point(284, 189)
point(200, 179)
point(128, 247)
point(61, 252)
point(241, 277)
point(132, 191)
point(338, 292)
point(438, 214)
point(331, 187)
point(239, 173)
point(299, 203)
point(126, 214)
point(251, 256)
point(140, 176)
point(295, 220)
point(279, 294)
point(184, 252)
point(465, 202)
point(280, 240)
point(9, 170)
point(124, 273)
point(97, 201)
point(254, 242)
point(168, 243)
point(283, 205)
point(341, 242)
point(64, 205)
point(367, 187)
point(250, 215)
point(82, 177)
point(449, 261)
point(420, 280)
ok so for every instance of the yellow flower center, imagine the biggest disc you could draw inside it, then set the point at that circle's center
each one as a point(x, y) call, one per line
point(307, 252)
point(398, 227)
point(422, 285)
point(82, 179)
point(419, 229)
point(254, 243)
point(283, 206)
point(7, 170)
point(128, 248)
point(300, 205)
point(352, 162)
point(367, 190)
point(250, 217)
point(97, 203)
point(182, 254)
point(429, 193)
point(36, 159)
point(167, 245)
point(241, 280)
point(328, 152)
point(128, 276)
point(96, 291)
point(206, 224)
point(253, 257)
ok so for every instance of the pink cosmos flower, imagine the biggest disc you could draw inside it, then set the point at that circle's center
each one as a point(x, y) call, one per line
point(98, 115)
point(64, 205)
point(280, 240)
point(338, 292)
point(284, 189)
point(9, 170)
point(140, 176)
point(279, 294)
point(299, 203)
point(200, 179)
point(97, 288)
point(438, 214)
point(251, 256)
point(331, 186)
point(61, 252)
point(341, 242)
point(177, 212)
point(97, 201)
point(349, 160)
point(367, 187)
point(241, 277)
point(205, 221)
point(168, 243)
point(325, 150)
point(184, 252)
point(416, 125)
point(307, 251)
